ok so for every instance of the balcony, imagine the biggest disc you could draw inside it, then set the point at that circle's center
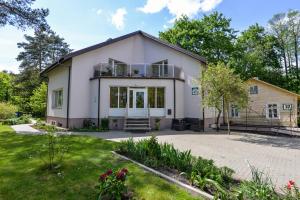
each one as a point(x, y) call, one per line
point(137, 70)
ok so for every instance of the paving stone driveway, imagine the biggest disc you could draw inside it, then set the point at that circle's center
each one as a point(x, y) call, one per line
point(277, 156)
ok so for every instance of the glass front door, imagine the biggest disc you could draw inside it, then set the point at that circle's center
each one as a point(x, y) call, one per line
point(137, 102)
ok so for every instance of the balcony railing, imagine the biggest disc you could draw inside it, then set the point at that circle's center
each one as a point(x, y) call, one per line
point(137, 70)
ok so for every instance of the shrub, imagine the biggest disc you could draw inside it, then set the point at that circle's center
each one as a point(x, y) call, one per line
point(7, 111)
point(24, 119)
point(112, 185)
point(104, 124)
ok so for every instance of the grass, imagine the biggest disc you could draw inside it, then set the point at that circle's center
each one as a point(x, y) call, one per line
point(21, 176)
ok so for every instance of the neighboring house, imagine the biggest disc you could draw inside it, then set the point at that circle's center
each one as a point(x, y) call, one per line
point(269, 105)
point(131, 80)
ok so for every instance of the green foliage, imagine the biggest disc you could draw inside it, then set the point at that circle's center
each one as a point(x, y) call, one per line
point(112, 185)
point(222, 86)
point(256, 55)
point(40, 125)
point(104, 124)
point(259, 187)
point(164, 156)
point(211, 36)
point(6, 87)
point(24, 119)
point(21, 14)
point(7, 110)
point(38, 100)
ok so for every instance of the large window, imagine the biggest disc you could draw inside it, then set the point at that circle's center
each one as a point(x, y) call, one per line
point(118, 97)
point(57, 97)
point(156, 97)
point(272, 111)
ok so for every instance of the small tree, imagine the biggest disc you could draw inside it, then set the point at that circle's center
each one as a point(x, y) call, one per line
point(221, 85)
point(38, 100)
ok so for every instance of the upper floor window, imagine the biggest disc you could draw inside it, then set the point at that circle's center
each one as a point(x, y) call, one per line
point(254, 89)
point(57, 98)
point(272, 111)
point(160, 69)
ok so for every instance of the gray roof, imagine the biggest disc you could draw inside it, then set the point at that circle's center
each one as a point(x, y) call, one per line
point(110, 41)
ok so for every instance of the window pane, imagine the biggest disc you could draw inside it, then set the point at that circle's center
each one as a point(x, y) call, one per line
point(123, 97)
point(139, 99)
point(151, 97)
point(114, 97)
point(160, 97)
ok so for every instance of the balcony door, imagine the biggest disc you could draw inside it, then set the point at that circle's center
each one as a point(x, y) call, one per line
point(137, 102)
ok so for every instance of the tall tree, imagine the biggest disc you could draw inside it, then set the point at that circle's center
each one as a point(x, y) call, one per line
point(222, 86)
point(19, 13)
point(256, 55)
point(211, 36)
point(39, 51)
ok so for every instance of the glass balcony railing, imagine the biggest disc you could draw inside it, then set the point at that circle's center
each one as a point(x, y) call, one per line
point(137, 70)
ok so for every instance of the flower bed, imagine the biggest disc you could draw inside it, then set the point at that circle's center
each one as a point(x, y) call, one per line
point(202, 173)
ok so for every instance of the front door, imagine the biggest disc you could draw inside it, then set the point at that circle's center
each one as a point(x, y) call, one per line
point(137, 102)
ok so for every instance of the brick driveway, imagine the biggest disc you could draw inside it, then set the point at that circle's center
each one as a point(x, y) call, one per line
point(277, 156)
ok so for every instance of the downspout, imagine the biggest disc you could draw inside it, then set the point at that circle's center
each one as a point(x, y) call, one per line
point(68, 98)
point(46, 114)
point(98, 119)
point(174, 97)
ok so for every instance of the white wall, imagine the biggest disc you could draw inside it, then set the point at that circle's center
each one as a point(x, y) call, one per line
point(106, 83)
point(136, 49)
point(58, 79)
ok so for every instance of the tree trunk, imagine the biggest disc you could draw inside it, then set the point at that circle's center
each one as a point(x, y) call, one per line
point(285, 62)
point(296, 59)
point(228, 124)
point(218, 120)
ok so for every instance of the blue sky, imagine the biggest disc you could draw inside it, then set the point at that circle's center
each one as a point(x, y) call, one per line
point(86, 22)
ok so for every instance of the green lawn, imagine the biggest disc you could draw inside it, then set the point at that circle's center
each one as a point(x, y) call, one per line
point(21, 176)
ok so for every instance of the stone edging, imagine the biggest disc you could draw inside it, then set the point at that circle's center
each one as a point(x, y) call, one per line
point(170, 179)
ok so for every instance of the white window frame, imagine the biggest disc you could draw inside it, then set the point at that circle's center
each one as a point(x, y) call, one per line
point(55, 101)
point(235, 108)
point(118, 96)
point(267, 111)
point(253, 86)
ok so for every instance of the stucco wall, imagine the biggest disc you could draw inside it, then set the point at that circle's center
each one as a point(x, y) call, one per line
point(136, 49)
point(104, 94)
point(58, 79)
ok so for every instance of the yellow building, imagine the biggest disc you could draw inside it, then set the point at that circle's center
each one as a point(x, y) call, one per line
point(268, 105)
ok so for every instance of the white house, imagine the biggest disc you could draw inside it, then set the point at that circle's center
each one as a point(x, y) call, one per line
point(133, 77)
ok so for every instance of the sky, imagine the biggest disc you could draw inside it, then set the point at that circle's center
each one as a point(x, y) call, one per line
point(86, 22)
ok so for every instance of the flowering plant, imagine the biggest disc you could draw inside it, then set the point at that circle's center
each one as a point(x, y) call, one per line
point(291, 191)
point(112, 185)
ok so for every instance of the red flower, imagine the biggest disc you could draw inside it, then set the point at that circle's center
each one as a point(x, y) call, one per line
point(109, 172)
point(121, 175)
point(125, 170)
point(289, 186)
point(103, 177)
point(291, 182)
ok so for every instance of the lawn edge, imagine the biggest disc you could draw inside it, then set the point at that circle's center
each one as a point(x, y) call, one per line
point(187, 187)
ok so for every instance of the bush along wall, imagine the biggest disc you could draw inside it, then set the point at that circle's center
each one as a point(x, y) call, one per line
point(203, 173)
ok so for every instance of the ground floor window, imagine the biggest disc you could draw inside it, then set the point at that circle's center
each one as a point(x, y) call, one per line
point(118, 97)
point(57, 97)
point(234, 111)
point(272, 111)
point(156, 97)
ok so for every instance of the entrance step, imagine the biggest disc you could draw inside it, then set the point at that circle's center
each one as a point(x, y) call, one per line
point(137, 124)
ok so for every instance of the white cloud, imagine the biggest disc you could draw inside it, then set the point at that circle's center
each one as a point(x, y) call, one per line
point(99, 12)
point(165, 26)
point(118, 18)
point(177, 8)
